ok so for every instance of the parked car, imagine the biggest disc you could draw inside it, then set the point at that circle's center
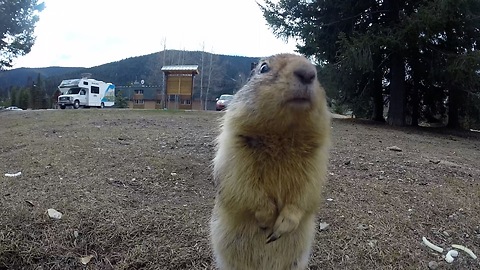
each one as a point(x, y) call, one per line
point(223, 101)
point(14, 108)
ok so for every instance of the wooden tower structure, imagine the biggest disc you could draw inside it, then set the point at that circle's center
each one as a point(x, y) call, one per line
point(179, 86)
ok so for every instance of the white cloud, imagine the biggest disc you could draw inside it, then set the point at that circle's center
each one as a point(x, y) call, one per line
point(94, 32)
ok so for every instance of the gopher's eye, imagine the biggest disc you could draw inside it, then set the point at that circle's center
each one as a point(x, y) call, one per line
point(264, 68)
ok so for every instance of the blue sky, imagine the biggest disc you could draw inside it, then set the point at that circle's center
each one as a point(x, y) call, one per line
point(88, 33)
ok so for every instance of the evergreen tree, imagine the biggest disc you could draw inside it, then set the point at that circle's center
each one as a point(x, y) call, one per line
point(420, 54)
point(120, 100)
point(17, 24)
point(37, 93)
point(14, 96)
point(24, 98)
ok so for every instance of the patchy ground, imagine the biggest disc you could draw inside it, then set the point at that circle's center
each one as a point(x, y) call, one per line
point(136, 192)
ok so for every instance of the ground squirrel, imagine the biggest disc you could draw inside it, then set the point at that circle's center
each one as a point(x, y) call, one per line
point(270, 168)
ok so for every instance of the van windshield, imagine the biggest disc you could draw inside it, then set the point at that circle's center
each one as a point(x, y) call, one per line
point(73, 91)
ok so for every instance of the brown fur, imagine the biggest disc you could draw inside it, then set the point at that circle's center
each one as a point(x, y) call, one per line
point(270, 168)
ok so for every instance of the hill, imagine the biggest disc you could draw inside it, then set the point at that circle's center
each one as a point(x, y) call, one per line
point(21, 76)
point(221, 73)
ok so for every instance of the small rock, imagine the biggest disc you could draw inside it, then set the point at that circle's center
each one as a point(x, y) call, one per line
point(432, 265)
point(324, 226)
point(54, 214)
point(362, 227)
point(446, 233)
point(369, 212)
point(348, 162)
point(330, 200)
point(173, 174)
point(372, 243)
point(435, 161)
point(394, 148)
point(86, 259)
point(453, 216)
point(75, 234)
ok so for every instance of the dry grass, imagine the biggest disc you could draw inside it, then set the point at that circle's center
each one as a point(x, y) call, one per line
point(136, 192)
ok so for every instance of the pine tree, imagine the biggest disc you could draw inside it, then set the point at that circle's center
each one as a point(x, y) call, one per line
point(17, 24)
point(421, 54)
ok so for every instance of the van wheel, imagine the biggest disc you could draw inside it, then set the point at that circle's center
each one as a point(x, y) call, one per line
point(76, 104)
point(102, 105)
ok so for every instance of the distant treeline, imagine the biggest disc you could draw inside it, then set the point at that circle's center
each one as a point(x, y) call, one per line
point(219, 74)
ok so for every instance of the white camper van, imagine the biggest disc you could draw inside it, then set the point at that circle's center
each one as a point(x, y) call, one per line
point(87, 93)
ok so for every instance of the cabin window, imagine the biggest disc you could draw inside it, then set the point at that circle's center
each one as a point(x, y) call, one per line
point(95, 90)
point(139, 91)
point(138, 101)
point(186, 101)
point(159, 101)
point(85, 83)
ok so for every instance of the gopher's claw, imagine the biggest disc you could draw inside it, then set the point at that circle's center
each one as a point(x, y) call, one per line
point(272, 237)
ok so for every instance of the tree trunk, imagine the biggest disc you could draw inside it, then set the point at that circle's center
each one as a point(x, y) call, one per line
point(210, 69)
point(377, 114)
point(415, 106)
point(415, 91)
point(201, 76)
point(453, 100)
point(396, 111)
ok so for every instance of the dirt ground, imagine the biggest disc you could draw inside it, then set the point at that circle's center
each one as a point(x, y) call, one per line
point(136, 192)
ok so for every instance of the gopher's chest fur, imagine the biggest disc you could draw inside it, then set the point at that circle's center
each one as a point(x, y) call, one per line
point(280, 166)
point(279, 146)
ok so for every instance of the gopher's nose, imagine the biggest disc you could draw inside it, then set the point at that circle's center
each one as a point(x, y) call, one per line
point(306, 74)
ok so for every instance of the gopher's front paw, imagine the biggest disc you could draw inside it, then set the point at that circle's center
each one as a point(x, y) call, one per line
point(286, 222)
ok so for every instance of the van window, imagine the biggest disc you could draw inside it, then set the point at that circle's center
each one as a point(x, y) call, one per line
point(73, 91)
point(95, 90)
